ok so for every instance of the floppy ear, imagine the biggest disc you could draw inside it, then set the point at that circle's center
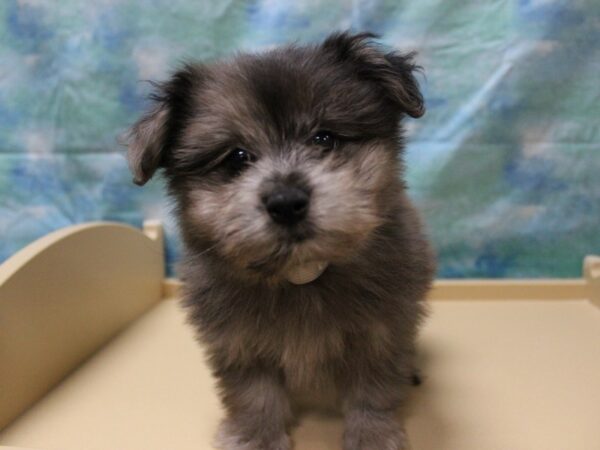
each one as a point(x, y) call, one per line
point(155, 134)
point(146, 144)
point(393, 71)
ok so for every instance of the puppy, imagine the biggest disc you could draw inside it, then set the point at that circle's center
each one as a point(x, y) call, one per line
point(306, 264)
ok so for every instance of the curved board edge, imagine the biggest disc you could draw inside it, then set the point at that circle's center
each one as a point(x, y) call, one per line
point(64, 296)
point(30, 251)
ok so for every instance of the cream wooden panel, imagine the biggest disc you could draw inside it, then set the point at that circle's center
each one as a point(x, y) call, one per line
point(64, 296)
point(486, 289)
point(500, 375)
point(591, 271)
point(510, 289)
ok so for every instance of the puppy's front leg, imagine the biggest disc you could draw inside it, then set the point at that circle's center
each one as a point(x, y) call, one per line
point(258, 410)
point(371, 418)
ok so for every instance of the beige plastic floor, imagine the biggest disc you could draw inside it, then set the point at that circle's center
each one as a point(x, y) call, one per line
point(512, 375)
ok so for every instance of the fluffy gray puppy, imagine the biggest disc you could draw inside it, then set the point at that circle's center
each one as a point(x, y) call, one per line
point(306, 264)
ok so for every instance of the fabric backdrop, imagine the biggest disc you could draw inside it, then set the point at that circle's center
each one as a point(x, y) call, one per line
point(505, 164)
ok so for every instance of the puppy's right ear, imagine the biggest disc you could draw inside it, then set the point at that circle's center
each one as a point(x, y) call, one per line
point(146, 144)
point(155, 134)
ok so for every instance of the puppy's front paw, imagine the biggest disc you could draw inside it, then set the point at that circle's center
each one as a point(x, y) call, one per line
point(234, 437)
point(374, 431)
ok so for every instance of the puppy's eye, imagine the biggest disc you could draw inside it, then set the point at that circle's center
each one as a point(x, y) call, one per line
point(238, 159)
point(325, 140)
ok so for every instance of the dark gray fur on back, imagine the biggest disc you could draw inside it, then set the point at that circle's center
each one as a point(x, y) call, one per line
point(345, 340)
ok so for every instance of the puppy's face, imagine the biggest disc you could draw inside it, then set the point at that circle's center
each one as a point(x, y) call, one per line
point(281, 158)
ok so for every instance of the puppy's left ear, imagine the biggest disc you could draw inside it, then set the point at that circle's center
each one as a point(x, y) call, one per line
point(393, 71)
point(153, 137)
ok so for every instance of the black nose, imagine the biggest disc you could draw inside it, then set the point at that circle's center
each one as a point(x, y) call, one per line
point(287, 206)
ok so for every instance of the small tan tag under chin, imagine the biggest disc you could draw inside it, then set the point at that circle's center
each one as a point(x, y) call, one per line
point(305, 273)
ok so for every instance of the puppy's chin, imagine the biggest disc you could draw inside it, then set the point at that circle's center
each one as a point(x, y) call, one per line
point(273, 263)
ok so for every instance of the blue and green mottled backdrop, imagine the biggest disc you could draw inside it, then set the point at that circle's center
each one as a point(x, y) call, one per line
point(505, 164)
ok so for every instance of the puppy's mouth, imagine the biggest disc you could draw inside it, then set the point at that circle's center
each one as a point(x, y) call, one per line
point(298, 236)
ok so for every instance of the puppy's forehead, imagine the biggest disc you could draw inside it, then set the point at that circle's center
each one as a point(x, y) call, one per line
point(285, 94)
point(271, 91)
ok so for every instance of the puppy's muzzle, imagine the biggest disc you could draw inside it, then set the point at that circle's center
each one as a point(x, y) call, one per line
point(287, 205)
